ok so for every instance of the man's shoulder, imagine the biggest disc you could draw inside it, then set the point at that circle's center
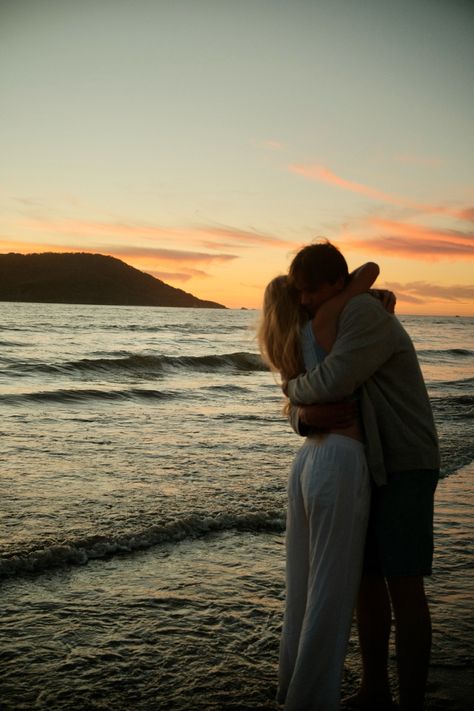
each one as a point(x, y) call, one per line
point(364, 306)
point(364, 313)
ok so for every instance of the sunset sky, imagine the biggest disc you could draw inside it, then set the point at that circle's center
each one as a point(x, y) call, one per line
point(205, 141)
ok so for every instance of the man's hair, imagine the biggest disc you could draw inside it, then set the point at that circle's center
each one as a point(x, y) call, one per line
point(317, 264)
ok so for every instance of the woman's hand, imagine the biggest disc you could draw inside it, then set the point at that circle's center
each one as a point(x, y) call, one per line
point(386, 297)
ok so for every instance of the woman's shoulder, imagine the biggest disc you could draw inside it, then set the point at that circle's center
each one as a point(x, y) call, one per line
point(313, 352)
point(306, 332)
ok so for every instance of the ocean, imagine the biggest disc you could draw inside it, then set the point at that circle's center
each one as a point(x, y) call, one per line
point(143, 491)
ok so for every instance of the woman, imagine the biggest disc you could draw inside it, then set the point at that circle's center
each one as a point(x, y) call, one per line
point(328, 507)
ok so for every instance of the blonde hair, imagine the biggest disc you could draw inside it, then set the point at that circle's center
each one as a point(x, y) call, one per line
point(279, 329)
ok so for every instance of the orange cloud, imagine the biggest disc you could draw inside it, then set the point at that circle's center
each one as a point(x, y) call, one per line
point(418, 292)
point(419, 232)
point(468, 214)
point(251, 237)
point(177, 276)
point(322, 174)
point(148, 253)
point(415, 241)
point(428, 251)
point(92, 228)
point(170, 255)
point(181, 264)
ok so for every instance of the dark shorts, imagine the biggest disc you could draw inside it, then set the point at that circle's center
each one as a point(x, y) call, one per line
point(400, 531)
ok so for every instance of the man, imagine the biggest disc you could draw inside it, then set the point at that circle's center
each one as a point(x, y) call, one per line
point(373, 357)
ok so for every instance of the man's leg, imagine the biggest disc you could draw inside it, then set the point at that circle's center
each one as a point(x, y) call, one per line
point(373, 621)
point(413, 638)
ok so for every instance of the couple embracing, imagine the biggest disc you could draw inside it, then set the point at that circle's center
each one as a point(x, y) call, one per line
point(360, 492)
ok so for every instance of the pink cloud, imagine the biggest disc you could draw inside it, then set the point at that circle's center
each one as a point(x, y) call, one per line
point(420, 291)
point(404, 247)
point(420, 232)
point(324, 175)
point(400, 239)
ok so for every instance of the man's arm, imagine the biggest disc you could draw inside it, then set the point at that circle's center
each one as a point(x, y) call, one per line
point(311, 419)
point(365, 341)
point(327, 316)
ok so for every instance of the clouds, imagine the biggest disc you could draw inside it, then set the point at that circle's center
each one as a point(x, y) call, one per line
point(173, 256)
point(412, 241)
point(394, 230)
point(178, 276)
point(418, 292)
point(171, 253)
point(399, 237)
point(122, 251)
point(243, 237)
point(321, 173)
point(208, 235)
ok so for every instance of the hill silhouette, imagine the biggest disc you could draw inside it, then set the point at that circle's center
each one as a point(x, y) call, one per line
point(85, 278)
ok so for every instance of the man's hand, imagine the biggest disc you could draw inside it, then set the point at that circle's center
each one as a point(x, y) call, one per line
point(387, 298)
point(332, 415)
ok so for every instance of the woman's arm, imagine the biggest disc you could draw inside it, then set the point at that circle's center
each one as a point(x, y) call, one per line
point(325, 321)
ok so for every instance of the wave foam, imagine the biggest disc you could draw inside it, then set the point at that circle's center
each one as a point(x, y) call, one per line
point(80, 551)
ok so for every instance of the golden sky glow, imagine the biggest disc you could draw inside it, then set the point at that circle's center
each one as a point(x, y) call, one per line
point(205, 142)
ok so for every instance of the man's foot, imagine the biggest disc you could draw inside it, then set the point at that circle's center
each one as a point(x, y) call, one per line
point(363, 702)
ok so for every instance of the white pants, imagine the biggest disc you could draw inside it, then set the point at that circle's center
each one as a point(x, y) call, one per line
point(328, 508)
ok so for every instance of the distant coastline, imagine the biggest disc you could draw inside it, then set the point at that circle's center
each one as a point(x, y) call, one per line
point(87, 278)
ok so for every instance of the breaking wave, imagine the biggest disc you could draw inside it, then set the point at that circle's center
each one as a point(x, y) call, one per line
point(149, 364)
point(80, 551)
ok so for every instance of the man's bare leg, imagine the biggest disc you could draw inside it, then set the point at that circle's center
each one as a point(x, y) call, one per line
point(373, 621)
point(413, 639)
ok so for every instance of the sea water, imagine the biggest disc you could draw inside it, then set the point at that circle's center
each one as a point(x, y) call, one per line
point(143, 491)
